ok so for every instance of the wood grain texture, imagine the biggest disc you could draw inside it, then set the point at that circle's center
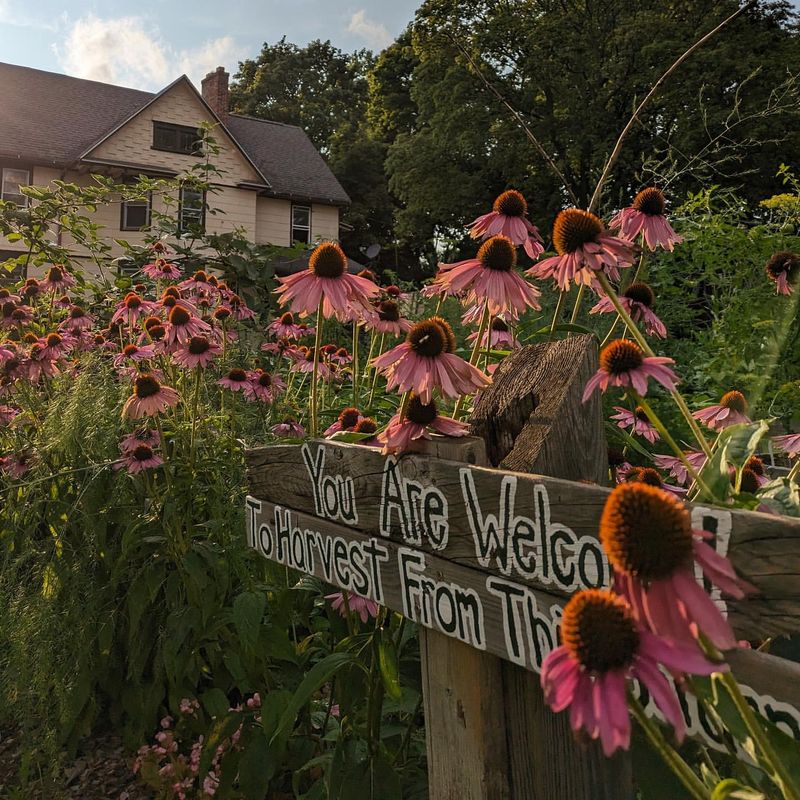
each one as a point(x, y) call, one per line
point(532, 418)
point(463, 692)
point(763, 548)
point(536, 394)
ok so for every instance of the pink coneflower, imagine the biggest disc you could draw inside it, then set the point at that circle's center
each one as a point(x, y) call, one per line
point(782, 269)
point(677, 469)
point(172, 297)
point(40, 363)
point(754, 475)
point(651, 477)
point(6, 296)
point(388, 319)
point(346, 421)
point(161, 270)
point(339, 355)
point(395, 293)
point(789, 444)
point(638, 301)
point(240, 309)
point(149, 397)
point(648, 537)
point(420, 418)
point(16, 465)
point(362, 606)
point(31, 289)
point(731, 410)
point(198, 351)
point(54, 345)
point(368, 428)
point(131, 308)
point(285, 328)
point(303, 361)
point(646, 217)
point(508, 217)
point(57, 279)
point(637, 420)
point(426, 361)
point(622, 363)
point(490, 278)
point(327, 281)
point(77, 318)
point(182, 326)
point(19, 317)
point(603, 648)
point(135, 353)
point(583, 248)
point(283, 348)
point(140, 458)
point(236, 380)
point(264, 386)
point(498, 336)
point(7, 414)
point(289, 429)
point(197, 283)
point(147, 436)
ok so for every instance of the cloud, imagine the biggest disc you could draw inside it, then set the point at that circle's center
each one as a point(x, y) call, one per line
point(373, 33)
point(129, 52)
point(18, 18)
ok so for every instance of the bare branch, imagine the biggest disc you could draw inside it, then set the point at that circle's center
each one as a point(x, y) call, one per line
point(612, 159)
point(525, 127)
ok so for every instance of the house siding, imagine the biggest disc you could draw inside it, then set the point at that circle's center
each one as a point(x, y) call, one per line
point(324, 222)
point(273, 221)
point(132, 143)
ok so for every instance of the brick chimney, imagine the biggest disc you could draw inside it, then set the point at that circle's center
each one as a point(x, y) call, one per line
point(215, 91)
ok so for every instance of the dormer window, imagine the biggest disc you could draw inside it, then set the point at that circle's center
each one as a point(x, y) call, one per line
point(177, 138)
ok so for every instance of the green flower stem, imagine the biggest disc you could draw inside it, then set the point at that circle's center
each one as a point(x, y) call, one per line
point(375, 374)
point(557, 313)
point(195, 402)
point(671, 757)
point(794, 470)
point(404, 405)
point(665, 434)
point(354, 364)
point(313, 409)
point(642, 342)
point(476, 351)
point(633, 280)
point(780, 774)
point(577, 307)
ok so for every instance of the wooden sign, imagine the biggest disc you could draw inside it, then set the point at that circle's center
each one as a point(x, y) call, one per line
point(484, 559)
point(536, 531)
point(483, 556)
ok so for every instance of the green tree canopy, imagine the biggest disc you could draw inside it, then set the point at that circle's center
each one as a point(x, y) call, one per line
point(575, 70)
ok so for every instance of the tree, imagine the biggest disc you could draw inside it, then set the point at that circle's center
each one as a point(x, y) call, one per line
point(575, 69)
point(325, 92)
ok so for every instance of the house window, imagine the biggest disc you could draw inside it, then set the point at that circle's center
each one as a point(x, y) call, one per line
point(191, 211)
point(135, 214)
point(176, 138)
point(301, 224)
point(13, 181)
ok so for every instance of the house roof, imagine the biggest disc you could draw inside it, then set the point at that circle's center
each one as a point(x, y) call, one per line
point(54, 119)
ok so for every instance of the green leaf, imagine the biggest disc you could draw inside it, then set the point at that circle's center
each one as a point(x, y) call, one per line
point(316, 676)
point(257, 766)
point(216, 702)
point(248, 611)
point(387, 661)
point(562, 327)
point(734, 790)
point(350, 436)
point(743, 440)
point(781, 496)
point(629, 441)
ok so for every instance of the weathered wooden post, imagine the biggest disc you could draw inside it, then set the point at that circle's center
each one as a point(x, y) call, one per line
point(531, 419)
point(485, 558)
